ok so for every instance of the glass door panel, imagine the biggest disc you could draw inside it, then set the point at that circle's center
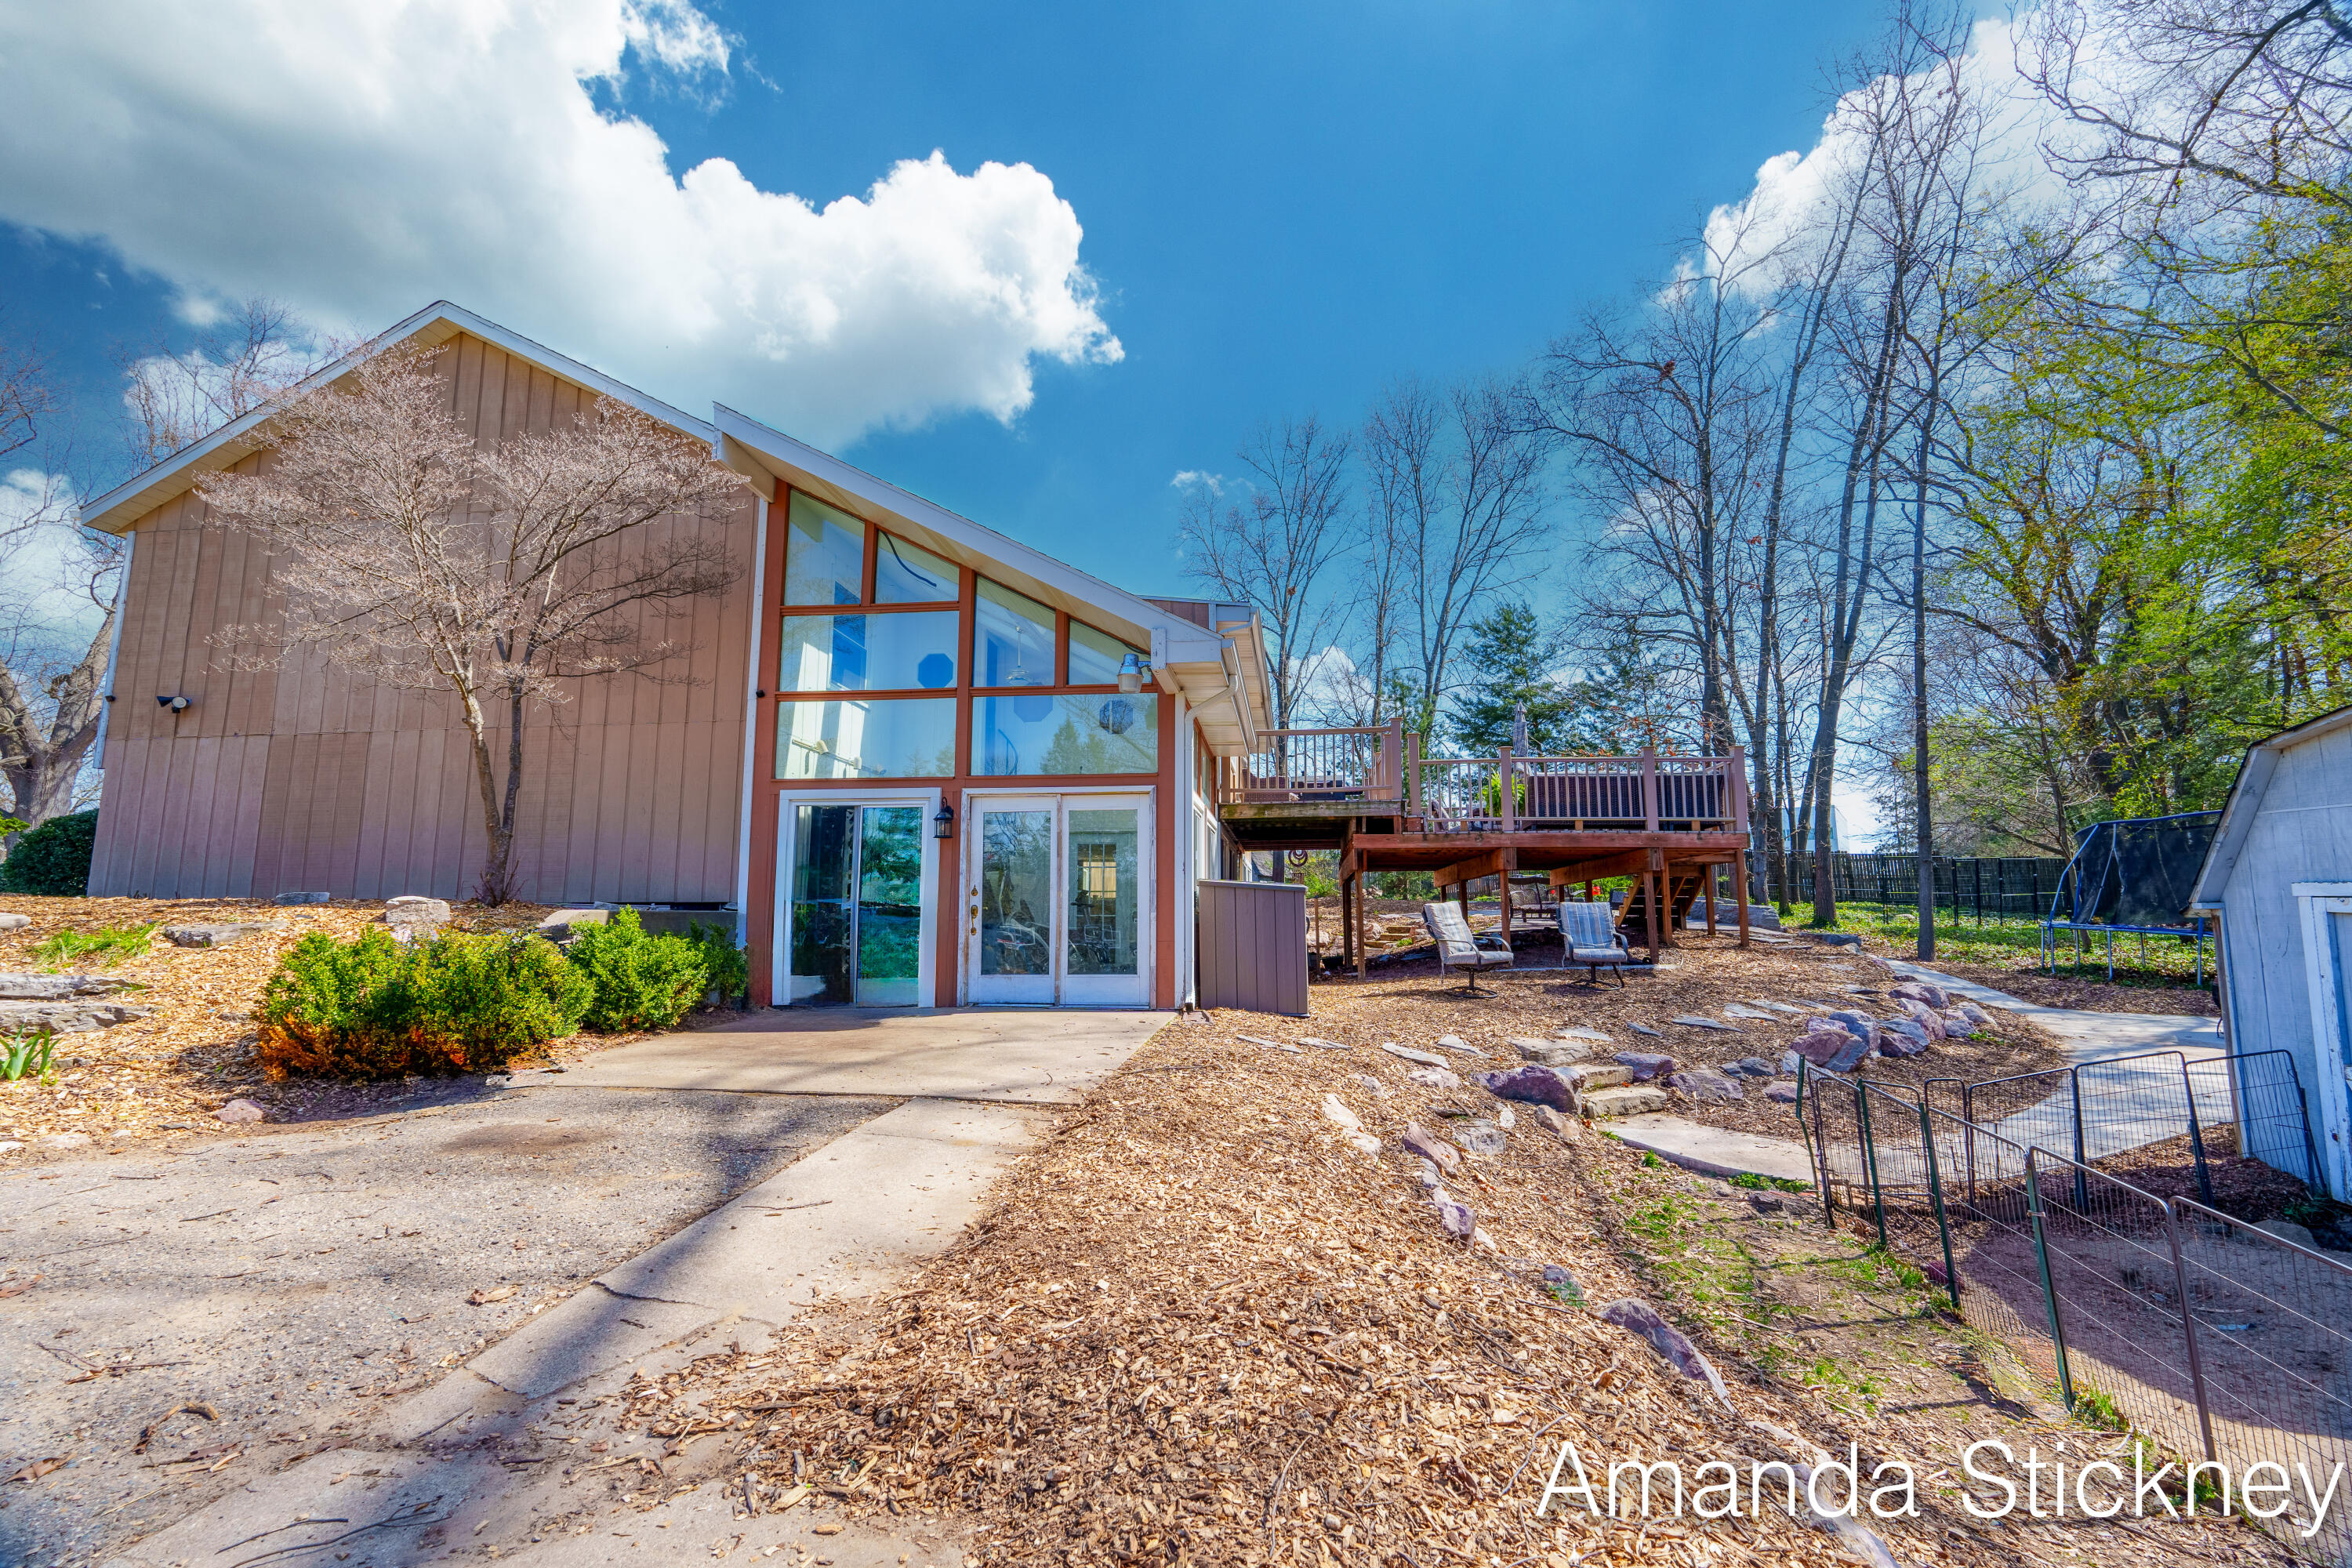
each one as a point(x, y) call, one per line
point(824, 854)
point(1104, 902)
point(890, 906)
point(1012, 903)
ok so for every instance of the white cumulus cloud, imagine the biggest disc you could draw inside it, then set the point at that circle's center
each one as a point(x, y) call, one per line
point(359, 158)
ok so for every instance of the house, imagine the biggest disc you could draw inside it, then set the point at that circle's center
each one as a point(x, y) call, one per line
point(2278, 879)
point(928, 765)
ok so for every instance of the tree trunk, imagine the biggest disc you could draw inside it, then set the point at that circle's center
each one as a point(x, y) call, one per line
point(1925, 823)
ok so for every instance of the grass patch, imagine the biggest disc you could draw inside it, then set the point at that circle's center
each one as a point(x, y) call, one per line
point(103, 948)
point(2003, 942)
point(28, 1055)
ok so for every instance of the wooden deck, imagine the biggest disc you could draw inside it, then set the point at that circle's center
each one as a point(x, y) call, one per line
point(1368, 794)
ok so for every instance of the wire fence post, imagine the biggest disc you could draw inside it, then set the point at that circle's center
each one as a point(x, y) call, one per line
point(1935, 1188)
point(2196, 1135)
point(1870, 1159)
point(2082, 1192)
point(2189, 1329)
point(2049, 1287)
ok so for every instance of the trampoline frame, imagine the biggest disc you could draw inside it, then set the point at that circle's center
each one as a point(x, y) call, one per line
point(2200, 930)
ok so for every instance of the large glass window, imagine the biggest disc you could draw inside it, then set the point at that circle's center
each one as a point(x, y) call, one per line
point(1013, 641)
point(824, 554)
point(1094, 656)
point(1038, 733)
point(880, 738)
point(1103, 880)
point(907, 574)
point(869, 653)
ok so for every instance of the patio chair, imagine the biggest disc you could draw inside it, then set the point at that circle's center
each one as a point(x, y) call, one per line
point(1588, 935)
point(1456, 948)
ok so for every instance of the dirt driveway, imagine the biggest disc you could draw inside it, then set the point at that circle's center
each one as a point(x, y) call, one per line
point(248, 1300)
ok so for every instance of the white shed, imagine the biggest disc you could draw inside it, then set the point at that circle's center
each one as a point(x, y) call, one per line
point(2279, 879)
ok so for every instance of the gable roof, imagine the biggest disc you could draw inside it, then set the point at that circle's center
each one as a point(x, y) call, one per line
point(119, 507)
point(2246, 804)
point(1213, 655)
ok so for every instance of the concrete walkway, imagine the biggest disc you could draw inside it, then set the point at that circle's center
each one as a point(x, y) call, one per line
point(2125, 1105)
point(496, 1456)
point(1017, 1055)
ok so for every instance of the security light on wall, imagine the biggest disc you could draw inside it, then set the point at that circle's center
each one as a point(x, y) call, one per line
point(1131, 673)
point(176, 704)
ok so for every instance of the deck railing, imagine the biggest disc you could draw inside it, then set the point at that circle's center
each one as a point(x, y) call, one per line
point(1382, 766)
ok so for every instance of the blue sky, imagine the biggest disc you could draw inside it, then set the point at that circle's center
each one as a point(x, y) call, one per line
point(1282, 208)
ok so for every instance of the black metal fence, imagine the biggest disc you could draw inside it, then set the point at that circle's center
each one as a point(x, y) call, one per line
point(2216, 1341)
point(1969, 887)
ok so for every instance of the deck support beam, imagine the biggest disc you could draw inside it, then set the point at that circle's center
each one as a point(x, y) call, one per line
point(1654, 890)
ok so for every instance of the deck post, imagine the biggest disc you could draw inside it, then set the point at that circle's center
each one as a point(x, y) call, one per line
point(1392, 761)
point(1412, 773)
point(1652, 889)
point(1649, 789)
point(1708, 893)
point(1503, 789)
point(1356, 902)
point(1347, 912)
point(1739, 871)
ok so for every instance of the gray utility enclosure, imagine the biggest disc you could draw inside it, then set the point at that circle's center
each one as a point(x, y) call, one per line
point(2279, 877)
point(1253, 951)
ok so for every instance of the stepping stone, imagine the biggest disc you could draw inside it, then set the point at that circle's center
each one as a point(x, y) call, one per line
point(1326, 1045)
point(1779, 1006)
point(1633, 1100)
point(1717, 1150)
point(1645, 1029)
point(219, 935)
point(1434, 1078)
point(1408, 1054)
point(1269, 1044)
point(1591, 1076)
point(1579, 1032)
point(1691, 1023)
point(1737, 1011)
point(1456, 1043)
point(1479, 1136)
point(1646, 1065)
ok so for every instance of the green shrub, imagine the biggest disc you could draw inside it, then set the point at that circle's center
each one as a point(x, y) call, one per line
point(27, 1053)
point(730, 970)
point(375, 1008)
point(52, 858)
point(642, 981)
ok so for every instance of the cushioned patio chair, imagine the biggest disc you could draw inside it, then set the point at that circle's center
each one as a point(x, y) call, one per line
point(1456, 948)
point(1588, 935)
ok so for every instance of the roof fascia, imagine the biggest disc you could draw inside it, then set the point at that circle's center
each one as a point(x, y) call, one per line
point(119, 507)
point(2245, 804)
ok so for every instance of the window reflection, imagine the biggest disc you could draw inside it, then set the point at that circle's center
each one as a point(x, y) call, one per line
point(1094, 656)
point(824, 554)
point(1013, 639)
point(907, 574)
point(1045, 735)
point(869, 653)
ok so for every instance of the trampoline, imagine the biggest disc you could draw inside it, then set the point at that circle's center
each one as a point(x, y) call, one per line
point(2132, 878)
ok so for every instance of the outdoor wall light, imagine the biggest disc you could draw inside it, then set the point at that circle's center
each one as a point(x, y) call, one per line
point(176, 704)
point(943, 822)
point(1131, 674)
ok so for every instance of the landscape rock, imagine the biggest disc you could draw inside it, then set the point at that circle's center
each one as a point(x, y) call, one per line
point(1550, 1053)
point(1781, 1091)
point(1533, 1084)
point(1321, 1044)
point(1741, 1010)
point(1958, 1026)
point(1553, 1123)
point(1579, 1032)
point(1562, 1286)
point(1974, 1015)
point(240, 1112)
point(301, 898)
point(1691, 1022)
point(1788, 1060)
point(562, 926)
point(1849, 1531)
point(1705, 1084)
point(1408, 1054)
point(1434, 1078)
point(2287, 1230)
point(67, 1017)
point(13, 921)
point(17, 986)
point(1633, 1100)
point(1832, 1051)
point(1748, 1066)
point(1902, 1038)
point(1453, 1214)
point(1672, 1344)
point(413, 908)
point(1428, 1175)
point(1479, 1136)
point(1645, 1029)
point(1589, 1076)
point(1768, 1203)
point(1925, 1017)
point(1456, 1043)
point(1833, 938)
point(1645, 1065)
point(1372, 1084)
point(1858, 1025)
point(67, 1141)
point(1421, 1140)
point(219, 935)
point(1921, 991)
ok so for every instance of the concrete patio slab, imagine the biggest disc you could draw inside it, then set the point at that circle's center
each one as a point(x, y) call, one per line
point(1017, 1055)
point(1714, 1151)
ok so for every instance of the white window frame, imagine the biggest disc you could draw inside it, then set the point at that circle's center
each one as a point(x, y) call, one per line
point(2328, 972)
point(1146, 798)
point(926, 979)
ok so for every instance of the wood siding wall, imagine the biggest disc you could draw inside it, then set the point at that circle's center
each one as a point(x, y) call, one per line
point(312, 778)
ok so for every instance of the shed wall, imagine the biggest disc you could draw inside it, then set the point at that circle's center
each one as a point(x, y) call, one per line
point(2302, 834)
point(1253, 946)
point(310, 777)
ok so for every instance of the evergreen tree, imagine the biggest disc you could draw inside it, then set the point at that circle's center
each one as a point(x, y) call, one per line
point(1510, 657)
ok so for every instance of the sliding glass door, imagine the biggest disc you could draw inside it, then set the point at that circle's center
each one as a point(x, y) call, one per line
point(855, 912)
point(1058, 899)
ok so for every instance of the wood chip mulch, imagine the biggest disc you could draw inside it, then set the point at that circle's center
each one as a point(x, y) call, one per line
point(1197, 1326)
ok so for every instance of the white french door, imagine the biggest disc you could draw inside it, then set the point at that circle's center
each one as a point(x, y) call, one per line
point(1057, 899)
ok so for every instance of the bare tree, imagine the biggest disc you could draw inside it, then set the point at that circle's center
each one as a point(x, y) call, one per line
point(1459, 508)
point(422, 560)
point(174, 398)
point(1277, 546)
